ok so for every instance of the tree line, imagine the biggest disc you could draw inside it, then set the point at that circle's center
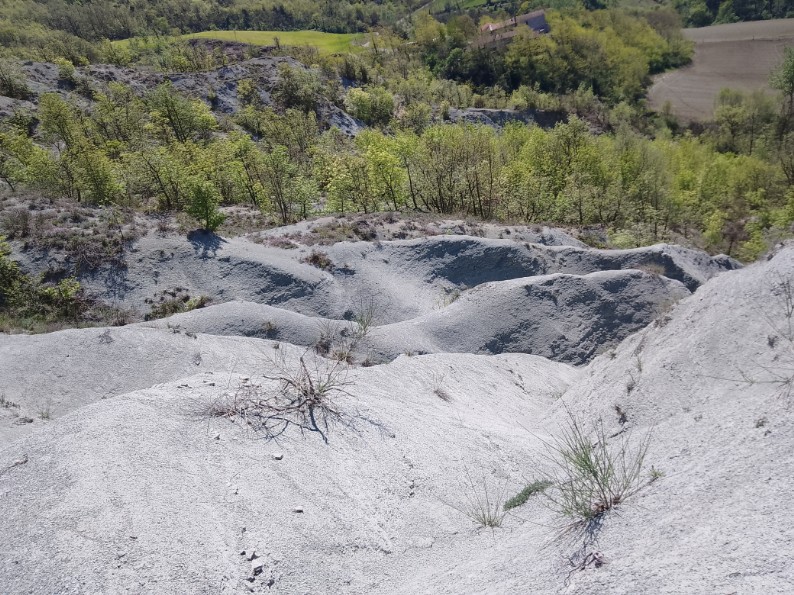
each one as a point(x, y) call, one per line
point(727, 190)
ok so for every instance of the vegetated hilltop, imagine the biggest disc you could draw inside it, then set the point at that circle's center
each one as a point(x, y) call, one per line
point(189, 130)
point(226, 90)
point(737, 56)
point(325, 43)
point(383, 486)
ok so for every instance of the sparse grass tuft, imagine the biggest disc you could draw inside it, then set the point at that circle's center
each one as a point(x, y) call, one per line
point(45, 411)
point(439, 389)
point(364, 317)
point(327, 337)
point(655, 474)
point(652, 268)
point(484, 506)
point(591, 476)
point(6, 403)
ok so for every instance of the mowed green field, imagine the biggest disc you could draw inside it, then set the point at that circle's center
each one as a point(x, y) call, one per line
point(438, 6)
point(326, 43)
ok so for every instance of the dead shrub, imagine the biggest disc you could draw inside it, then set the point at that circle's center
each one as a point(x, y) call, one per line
point(652, 268)
point(301, 395)
point(319, 259)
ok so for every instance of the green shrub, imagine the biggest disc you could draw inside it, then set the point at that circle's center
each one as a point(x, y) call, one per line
point(536, 487)
point(10, 275)
point(374, 107)
point(297, 88)
point(247, 92)
point(203, 205)
point(27, 303)
point(176, 305)
point(66, 71)
point(12, 81)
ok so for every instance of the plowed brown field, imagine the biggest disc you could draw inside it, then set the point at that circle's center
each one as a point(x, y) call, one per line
point(739, 56)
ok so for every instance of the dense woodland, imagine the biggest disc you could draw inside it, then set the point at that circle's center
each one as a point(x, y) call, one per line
point(167, 152)
point(727, 186)
point(66, 27)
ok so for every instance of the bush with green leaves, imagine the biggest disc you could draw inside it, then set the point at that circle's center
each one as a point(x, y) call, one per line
point(10, 275)
point(203, 203)
point(247, 92)
point(29, 300)
point(532, 489)
point(176, 305)
point(12, 81)
point(298, 88)
point(66, 70)
point(179, 117)
point(374, 106)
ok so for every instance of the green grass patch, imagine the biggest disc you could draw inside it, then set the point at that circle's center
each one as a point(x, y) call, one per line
point(536, 487)
point(326, 43)
point(455, 6)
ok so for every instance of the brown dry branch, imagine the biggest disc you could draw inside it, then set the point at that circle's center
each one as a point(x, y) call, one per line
point(301, 395)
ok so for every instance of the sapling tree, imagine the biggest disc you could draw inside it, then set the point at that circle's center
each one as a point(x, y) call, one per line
point(203, 205)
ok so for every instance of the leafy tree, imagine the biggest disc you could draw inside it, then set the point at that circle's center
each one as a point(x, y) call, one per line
point(416, 117)
point(203, 204)
point(743, 120)
point(298, 88)
point(349, 184)
point(22, 162)
point(175, 115)
point(782, 79)
point(119, 115)
point(295, 130)
point(276, 182)
point(247, 92)
point(60, 120)
point(162, 173)
point(10, 275)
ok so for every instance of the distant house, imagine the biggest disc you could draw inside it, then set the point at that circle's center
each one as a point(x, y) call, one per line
point(492, 34)
point(490, 27)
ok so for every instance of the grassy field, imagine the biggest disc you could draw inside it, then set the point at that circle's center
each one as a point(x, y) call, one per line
point(738, 56)
point(457, 5)
point(326, 43)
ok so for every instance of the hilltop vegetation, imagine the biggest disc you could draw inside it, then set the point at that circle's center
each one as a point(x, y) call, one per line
point(695, 13)
point(700, 13)
point(610, 52)
point(273, 136)
point(326, 43)
point(59, 27)
point(167, 152)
